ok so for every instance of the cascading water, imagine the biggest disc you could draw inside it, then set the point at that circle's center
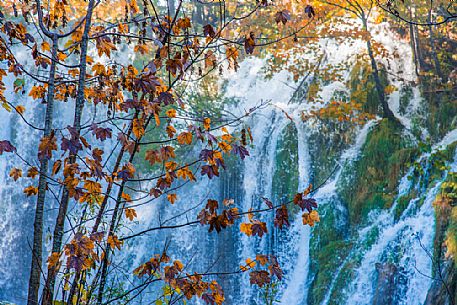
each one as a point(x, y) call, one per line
point(246, 182)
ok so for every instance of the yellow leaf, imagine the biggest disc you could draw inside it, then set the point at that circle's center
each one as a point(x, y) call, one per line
point(224, 146)
point(314, 216)
point(185, 138)
point(6, 106)
point(246, 228)
point(250, 263)
point(20, 109)
point(172, 198)
point(178, 265)
point(114, 242)
point(45, 46)
point(126, 197)
point(37, 92)
point(138, 129)
point(61, 56)
point(171, 113)
point(141, 48)
point(53, 260)
point(206, 123)
point(92, 186)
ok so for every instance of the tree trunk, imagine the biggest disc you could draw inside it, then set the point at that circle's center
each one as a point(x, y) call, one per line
point(386, 112)
point(37, 249)
point(412, 39)
point(435, 59)
point(60, 221)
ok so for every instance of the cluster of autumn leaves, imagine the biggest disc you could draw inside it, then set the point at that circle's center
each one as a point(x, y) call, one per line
point(144, 98)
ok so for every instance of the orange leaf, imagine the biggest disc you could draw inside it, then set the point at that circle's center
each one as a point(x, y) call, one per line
point(130, 214)
point(172, 198)
point(16, 173)
point(30, 191)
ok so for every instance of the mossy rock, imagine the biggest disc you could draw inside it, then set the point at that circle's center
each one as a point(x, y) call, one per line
point(329, 259)
point(286, 176)
point(373, 179)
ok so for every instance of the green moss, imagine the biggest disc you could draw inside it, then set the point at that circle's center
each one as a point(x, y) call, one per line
point(442, 113)
point(372, 180)
point(330, 258)
point(406, 94)
point(402, 204)
point(285, 179)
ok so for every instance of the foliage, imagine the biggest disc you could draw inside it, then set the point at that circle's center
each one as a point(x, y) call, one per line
point(143, 104)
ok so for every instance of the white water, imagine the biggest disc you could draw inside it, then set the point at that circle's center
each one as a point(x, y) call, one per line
point(249, 87)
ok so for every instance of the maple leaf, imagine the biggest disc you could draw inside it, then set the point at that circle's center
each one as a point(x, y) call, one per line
point(166, 98)
point(130, 214)
point(167, 152)
point(249, 43)
point(310, 218)
point(240, 150)
point(56, 167)
point(153, 156)
point(20, 109)
point(185, 137)
point(92, 187)
point(37, 92)
point(171, 131)
point(310, 11)
point(104, 46)
point(114, 242)
point(171, 113)
point(225, 147)
point(138, 129)
point(281, 217)
point(208, 30)
point(30, 191)
point(45, 46)
point(259, 278)
point(32, 172)
point(210, 171)
point(172, 198)
point(101, 133)
point(282, 16)
point(73, 144)
point(54, 260)
point(141, 48)
point(217, 222)
point(275, 269)
point(16, 173)
point(262, 259)
point(305, 203)
point(259, 228)
point(6, 146)
point(246, 228)
point(207, 123)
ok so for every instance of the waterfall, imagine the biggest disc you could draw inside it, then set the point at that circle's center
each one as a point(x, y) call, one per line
point(278, 127)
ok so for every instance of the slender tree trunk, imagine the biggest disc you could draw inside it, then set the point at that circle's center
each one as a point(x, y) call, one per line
point(112, 228)
point(435, 59)
point(412, 39)
point(386, 112)
point(37, 249)
point(60, 221)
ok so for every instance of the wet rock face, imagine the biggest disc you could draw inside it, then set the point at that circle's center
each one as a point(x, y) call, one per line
point(386, 284)
point(444, 289)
